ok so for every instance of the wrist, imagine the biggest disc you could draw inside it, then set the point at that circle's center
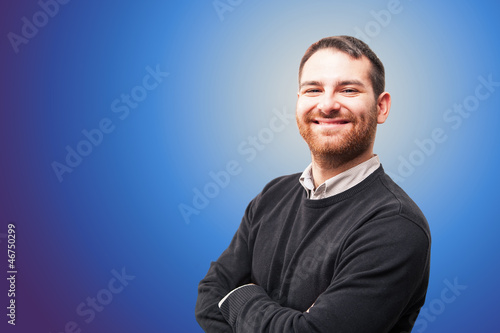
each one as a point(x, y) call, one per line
point(232, 291)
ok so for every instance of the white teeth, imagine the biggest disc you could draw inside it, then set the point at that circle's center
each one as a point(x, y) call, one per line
point(329, 123)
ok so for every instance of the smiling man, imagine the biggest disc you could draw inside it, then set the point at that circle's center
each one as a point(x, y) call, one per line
point(340, 247)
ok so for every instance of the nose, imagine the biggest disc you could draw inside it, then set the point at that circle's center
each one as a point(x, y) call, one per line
point(328, 104)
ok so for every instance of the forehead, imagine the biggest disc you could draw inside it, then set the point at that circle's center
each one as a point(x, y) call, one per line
point(329, 64)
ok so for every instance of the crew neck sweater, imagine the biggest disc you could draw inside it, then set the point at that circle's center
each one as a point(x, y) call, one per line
point(355, 262)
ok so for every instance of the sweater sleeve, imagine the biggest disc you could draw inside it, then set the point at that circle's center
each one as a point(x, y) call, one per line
point(381, 276)
point(232, 269)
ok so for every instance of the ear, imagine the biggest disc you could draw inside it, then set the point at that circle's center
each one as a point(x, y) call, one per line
point(383, 107)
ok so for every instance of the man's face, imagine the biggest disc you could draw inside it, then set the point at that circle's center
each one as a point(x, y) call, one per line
point(336, 107)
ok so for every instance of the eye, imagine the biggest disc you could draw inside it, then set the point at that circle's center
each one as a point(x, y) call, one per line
point(350, 90)
point(312, 91)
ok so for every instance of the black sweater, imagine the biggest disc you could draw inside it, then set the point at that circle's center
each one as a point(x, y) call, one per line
point(361, 257)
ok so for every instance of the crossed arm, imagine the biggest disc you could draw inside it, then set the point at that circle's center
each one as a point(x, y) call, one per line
point(377, 282)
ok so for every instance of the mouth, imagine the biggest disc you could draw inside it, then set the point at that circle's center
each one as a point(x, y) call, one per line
point(330, 122)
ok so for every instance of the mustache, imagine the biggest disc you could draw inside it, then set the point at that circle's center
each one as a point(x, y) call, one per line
point(333, 115)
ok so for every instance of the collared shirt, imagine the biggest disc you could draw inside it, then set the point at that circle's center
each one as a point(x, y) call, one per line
point(339, 183)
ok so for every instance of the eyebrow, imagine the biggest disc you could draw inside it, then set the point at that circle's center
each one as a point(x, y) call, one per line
point(339, 83)
point(310, 83)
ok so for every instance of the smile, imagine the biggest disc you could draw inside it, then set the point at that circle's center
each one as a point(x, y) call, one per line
point(330, 122)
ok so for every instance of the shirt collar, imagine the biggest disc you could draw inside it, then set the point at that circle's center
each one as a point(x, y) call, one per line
point(339, 183)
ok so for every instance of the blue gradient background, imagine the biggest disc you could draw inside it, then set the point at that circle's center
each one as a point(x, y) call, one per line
point(120, 207)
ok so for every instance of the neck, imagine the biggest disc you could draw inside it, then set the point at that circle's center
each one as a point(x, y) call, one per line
point(326, 167)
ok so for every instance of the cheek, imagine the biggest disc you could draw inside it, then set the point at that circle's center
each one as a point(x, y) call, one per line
point(303, 106)
point(361, 109)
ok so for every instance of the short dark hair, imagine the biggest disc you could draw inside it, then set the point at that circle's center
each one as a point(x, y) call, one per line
point(356, 49)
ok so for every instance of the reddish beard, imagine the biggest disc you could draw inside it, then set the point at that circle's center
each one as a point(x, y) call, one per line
point(339, 145)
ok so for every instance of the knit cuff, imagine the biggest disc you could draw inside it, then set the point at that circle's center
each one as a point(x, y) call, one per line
point(233, 302)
